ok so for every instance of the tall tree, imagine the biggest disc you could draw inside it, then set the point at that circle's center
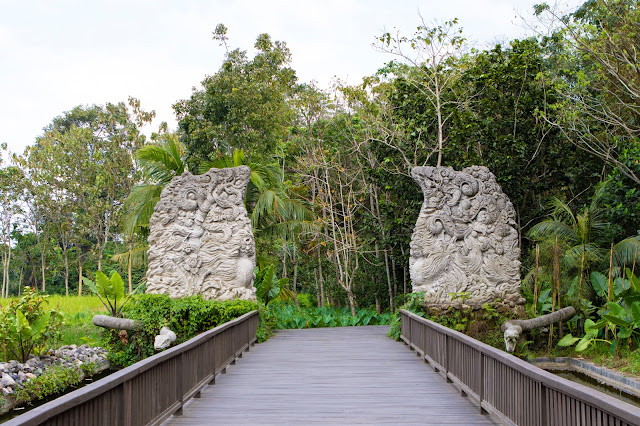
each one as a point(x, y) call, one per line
point(80, 171)
point(12, 186)
point(598, 80)
point(242, 106)
point(429, 63)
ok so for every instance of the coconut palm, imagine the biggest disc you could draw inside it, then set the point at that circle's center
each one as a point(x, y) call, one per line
point(273, 212)
point(159, 162)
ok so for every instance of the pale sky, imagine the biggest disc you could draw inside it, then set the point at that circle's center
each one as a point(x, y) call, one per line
point(57, 54)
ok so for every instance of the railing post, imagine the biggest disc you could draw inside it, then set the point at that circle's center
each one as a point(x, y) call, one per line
point(544, 414)
point(424, 341)
point(446, 358)
point(180, 371)
point(126, 403)
point(214, 345)
point(481, 382)
point(233, 344)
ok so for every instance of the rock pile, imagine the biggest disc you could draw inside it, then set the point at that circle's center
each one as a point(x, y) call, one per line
point(14, 375)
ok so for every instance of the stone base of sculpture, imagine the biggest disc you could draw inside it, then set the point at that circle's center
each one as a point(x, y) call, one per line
point(464, 246)
point(200, 238)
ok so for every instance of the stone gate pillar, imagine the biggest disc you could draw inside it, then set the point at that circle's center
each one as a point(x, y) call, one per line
point(200, 239)
point(465, 243)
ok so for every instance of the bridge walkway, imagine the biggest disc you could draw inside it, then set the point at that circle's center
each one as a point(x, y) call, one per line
point(349, 375)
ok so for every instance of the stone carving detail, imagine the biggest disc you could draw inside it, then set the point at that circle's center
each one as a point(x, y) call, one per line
point(465, 239)
point(201, 240)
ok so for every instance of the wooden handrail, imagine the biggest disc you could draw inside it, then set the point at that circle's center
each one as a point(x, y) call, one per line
point(508, 387)
point(151, 390)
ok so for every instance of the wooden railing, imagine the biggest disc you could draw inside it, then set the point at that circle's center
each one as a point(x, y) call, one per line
point(507, 387)
point(148, 392)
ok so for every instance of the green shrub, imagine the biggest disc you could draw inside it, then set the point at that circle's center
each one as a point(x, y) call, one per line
point(269, 287)
point(413, 303)
point(307, 300)
point(26, 327)
point(187, 317)
point(286, 316)
point(54, 380)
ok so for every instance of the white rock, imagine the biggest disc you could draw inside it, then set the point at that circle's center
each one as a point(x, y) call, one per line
point(165, 331)
point(7, 380)
point(161, 342)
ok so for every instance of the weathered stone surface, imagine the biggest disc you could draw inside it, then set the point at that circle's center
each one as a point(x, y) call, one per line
point(107, 321)
point(201, 240)
point(465, 239)
point(164, 339)
point(161, 342)
point(166, 331)
point(7, 380)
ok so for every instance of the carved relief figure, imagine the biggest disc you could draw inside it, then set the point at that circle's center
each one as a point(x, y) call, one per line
point(201, 240)
point(465, 239)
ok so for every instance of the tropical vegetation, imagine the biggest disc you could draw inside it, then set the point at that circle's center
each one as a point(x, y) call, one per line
point(331, 200)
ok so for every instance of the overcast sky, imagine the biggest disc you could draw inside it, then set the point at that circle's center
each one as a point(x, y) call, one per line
point(57, 54)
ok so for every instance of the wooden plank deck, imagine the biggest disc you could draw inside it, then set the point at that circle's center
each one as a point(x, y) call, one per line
point(350, 375)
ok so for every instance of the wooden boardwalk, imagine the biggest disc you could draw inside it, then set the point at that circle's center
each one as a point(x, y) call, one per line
point(350, 375)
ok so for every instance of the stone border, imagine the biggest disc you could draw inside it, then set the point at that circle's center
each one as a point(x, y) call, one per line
point(65, 357)
point(611, 378)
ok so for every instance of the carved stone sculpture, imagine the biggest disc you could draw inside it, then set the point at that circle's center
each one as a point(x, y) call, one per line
point(201, 240)
point(465, 242)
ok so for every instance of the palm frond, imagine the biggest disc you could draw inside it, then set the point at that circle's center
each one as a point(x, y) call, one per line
point(138, 257)
point(591, 252)
point(290, 228)
point(551, 228)
point(627, 252)
point(561, 212)
point(139, 206)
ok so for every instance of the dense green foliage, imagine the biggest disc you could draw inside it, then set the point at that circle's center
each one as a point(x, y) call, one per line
point(482, 324)
point(331, 199)
point(186, 317)
point(287, 316)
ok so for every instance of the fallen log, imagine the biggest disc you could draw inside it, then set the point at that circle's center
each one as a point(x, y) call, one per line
point(107, 321)
point(513, 328)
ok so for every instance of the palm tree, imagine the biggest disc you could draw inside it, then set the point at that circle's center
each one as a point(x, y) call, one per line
point(583, 237)
point(272, 211)
point(159, 162)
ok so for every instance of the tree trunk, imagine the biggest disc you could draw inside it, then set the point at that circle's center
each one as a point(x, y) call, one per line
point(352, 303)
point(129, 264)
point(66, 271)
point(107, 321)
point(294, 259)
point(395, 280)
point(100, 249)
point(79, 276)
point(21, 278)
point(404, 271)
point(530, 324)
point(373, 192)
point(321, 279)
point(42, 264)
point(284, 259)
